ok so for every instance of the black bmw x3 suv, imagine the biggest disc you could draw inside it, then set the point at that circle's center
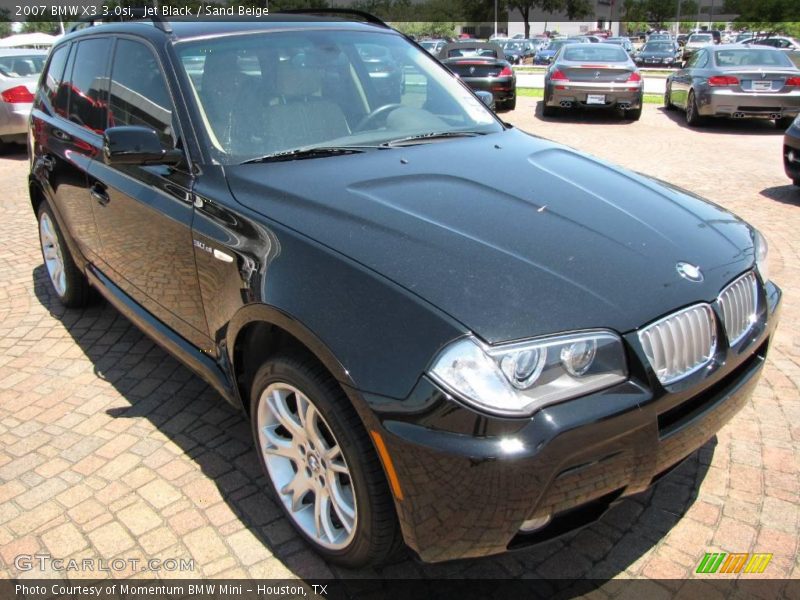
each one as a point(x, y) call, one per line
point(445, 331)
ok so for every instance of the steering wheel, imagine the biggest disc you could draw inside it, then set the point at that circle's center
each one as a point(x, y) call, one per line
point(375, 115)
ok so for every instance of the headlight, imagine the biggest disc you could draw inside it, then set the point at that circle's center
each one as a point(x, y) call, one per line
point(518, 379)
point(762, 250)
point(668, 60)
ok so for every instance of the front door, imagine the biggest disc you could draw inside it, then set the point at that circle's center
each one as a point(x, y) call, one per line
point(144, 213)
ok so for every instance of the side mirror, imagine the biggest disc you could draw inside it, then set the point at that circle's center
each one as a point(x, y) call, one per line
point(486, 97)
point(133, 145)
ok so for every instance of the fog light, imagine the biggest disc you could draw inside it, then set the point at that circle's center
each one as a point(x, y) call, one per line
point(534, 524)
point(578, 357)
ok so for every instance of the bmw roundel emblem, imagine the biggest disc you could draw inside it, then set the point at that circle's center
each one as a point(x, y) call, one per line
point(689, 271)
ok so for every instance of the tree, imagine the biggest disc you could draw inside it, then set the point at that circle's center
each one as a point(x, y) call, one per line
point(573, 9)
point(5, 22)
point(657, 12)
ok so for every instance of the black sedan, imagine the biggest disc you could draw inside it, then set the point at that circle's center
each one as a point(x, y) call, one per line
point(518, 52)
point(791, 151)
point(483, 66)
point(658, 54)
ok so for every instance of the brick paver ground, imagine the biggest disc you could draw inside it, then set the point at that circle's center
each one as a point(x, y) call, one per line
point(111, 449)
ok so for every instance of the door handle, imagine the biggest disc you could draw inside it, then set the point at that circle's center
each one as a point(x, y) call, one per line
point(98, 192)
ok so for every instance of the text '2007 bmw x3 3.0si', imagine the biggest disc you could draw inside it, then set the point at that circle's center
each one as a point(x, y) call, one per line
point(428, 354)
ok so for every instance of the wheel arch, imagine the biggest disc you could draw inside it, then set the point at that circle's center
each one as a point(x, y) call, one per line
point(259, 331)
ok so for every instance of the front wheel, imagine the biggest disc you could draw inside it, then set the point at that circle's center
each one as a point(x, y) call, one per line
point(321, 465)
point(68, 282)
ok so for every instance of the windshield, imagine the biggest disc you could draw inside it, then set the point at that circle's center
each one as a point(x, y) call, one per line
point(22, 65)
point(595, 52)
point(657, 47)
point(700, 38)
point(267, 93)
point(751, 58)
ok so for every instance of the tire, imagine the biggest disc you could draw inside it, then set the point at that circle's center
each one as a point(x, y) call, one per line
point(633, 114)
point(668, 99)
point(693, 119)
point(305, 459)
point(548, 111)
point(511, 104)
point(784, 123)
point(66, 279)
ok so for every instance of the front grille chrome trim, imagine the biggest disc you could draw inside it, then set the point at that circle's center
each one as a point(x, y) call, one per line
point(681, 343)
point(738, 304)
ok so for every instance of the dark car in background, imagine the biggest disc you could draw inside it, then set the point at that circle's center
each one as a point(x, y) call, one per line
point(791, 151)
point(736, 81)
point(425, 354)
point(519, 52)
point(545, 55)
point(482, 66)
point(626, 43)
point(658, 54)
point(593, 76)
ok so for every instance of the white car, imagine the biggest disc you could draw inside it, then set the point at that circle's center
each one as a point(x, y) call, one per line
point(19, 75)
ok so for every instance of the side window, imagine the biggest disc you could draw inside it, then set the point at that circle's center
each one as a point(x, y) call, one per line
point(89, 91)
point(139, 94)
point(56, 91)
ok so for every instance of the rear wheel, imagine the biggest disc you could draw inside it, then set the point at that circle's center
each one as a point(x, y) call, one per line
point(784, 123)
point(693, 118)
point(68, 282)
point(511, 104)
point(322, 467)
point(633, 114)
point(548, 111)
point(668, 99)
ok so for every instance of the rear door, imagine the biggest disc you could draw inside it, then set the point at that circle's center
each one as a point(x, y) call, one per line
point(144, 213)
point(67, 125)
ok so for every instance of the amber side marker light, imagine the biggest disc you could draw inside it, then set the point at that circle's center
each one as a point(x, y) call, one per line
point(388, 465)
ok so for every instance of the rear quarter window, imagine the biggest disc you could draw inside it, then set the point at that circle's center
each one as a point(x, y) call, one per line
point(55, 90)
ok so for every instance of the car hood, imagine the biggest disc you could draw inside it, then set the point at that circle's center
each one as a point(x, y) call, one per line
point(512, 235)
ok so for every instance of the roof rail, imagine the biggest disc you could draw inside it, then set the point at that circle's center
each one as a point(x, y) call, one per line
point(138, 14)
point(339, 12)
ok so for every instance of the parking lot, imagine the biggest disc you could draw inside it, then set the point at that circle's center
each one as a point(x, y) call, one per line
point(111, 449)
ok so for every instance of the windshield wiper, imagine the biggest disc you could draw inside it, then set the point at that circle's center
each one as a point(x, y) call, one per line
point(423, 138)
point(303, 153)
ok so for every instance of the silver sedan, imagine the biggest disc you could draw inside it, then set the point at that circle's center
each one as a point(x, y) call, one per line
point(593, 76)
point(19, 75)
point(737, 81)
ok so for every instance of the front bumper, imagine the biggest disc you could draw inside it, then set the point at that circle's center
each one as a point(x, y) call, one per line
point(726, 103)
point(469, 481)
point(577, 93)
